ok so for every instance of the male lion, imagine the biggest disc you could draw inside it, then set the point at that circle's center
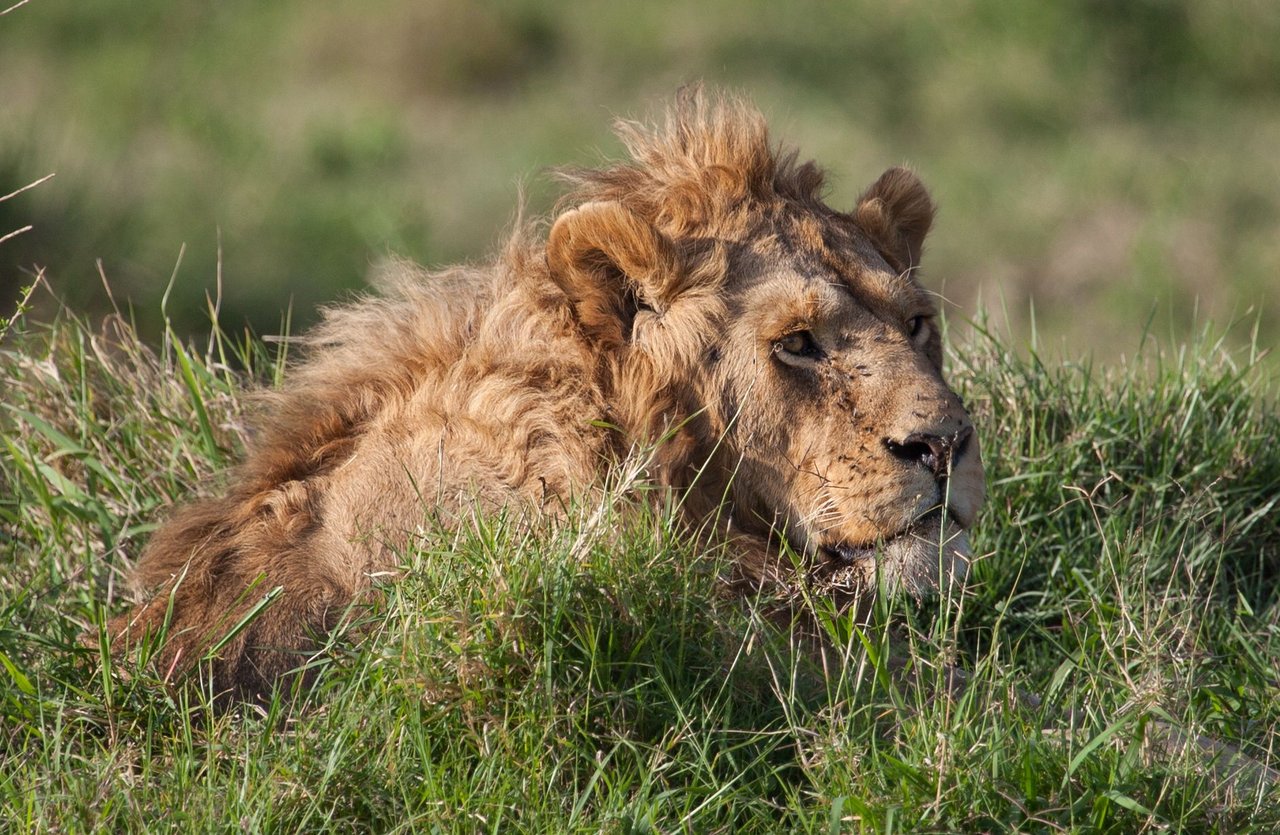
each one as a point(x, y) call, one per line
point(778, 358)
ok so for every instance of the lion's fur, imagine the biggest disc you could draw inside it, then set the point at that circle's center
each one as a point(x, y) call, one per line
point(653, 316)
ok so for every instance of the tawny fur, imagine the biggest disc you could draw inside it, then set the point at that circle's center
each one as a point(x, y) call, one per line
point(699, 300)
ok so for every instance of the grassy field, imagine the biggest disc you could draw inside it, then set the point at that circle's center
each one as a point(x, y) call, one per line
point(590, 677)
point(1100, 163)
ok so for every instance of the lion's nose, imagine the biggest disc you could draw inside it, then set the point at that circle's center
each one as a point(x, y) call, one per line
point(935, 452)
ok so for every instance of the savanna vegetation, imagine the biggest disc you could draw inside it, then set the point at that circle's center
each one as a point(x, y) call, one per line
point(592, 677)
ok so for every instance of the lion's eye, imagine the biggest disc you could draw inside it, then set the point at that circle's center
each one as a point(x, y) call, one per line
point(798, 344)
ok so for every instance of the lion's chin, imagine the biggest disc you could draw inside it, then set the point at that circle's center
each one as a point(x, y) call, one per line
point(934, 552)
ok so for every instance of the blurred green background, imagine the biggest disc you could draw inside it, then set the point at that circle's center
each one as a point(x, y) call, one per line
point(1101, 163)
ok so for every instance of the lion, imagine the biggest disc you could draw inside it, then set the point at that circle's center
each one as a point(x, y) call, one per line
point(778, 359)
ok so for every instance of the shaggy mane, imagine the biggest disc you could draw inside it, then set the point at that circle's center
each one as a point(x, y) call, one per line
point(710, 166)
point(708, 170)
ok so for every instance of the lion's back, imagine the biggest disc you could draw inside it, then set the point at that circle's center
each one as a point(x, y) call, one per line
point(448, 389)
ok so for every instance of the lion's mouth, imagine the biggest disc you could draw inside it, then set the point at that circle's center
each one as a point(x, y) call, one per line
point(846, 554)
point(918, 558)
point(927, 527)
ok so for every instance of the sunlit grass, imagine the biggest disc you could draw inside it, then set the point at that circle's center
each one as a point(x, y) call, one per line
point(591, 675)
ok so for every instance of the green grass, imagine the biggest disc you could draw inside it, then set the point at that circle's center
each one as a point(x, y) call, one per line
point(590, 676)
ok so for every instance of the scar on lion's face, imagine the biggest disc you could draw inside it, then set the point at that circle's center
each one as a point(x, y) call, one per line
point(775, 362)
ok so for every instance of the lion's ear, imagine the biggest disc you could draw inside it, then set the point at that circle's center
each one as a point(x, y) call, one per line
point(896, 213)
point(611, 265)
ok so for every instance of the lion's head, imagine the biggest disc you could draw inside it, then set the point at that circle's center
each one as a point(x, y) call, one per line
point(787, 348)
